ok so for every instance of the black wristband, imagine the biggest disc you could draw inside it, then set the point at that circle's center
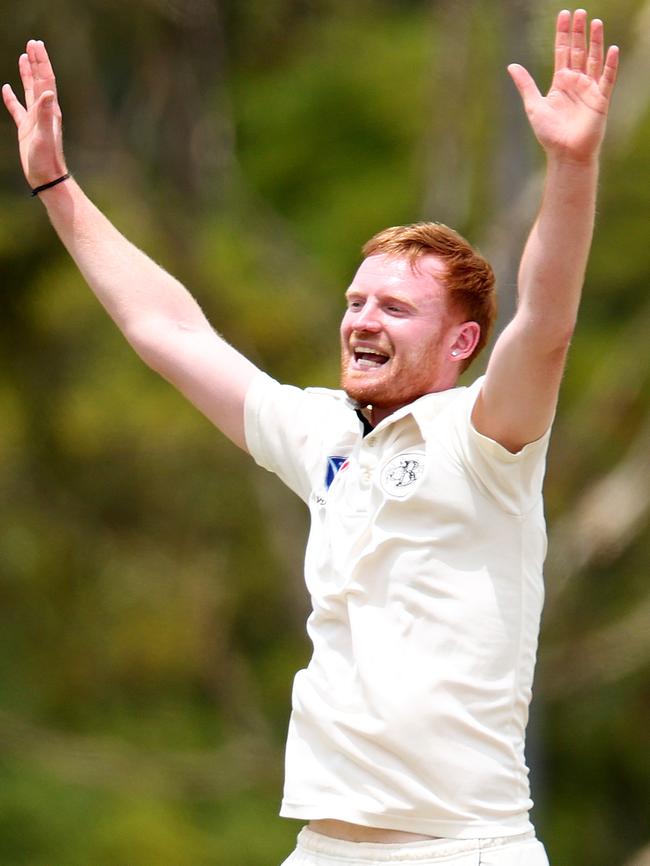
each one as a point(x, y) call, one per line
point(38, 189)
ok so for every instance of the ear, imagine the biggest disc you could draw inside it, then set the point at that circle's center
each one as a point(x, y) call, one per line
point(464, 340)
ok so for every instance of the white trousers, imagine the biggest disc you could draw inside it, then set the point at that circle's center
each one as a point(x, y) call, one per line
point(314, 849)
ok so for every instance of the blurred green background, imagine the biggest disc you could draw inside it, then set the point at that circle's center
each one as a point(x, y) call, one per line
point(151, 600)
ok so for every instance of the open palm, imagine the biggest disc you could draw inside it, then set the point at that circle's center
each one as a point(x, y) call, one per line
point(38, 121)
point(570, 120)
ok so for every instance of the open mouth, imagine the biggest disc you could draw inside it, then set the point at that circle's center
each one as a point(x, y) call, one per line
point(366, 358)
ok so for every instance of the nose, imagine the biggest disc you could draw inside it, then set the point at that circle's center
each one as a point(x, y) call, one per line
point(367, 319)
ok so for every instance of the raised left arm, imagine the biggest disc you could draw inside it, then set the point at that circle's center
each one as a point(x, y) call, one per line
point(519, 395)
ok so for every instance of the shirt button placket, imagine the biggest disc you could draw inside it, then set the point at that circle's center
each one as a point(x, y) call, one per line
point(367, 463)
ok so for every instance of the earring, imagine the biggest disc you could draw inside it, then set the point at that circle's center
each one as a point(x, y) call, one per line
point(455, 353)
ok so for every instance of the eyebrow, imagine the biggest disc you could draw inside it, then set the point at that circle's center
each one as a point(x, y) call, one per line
point(386, 297)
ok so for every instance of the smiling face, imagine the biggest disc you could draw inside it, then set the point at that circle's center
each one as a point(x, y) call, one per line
point(398, 334)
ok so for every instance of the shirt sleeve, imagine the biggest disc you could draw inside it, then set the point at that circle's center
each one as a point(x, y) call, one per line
point(515, 481)
point(279, 428)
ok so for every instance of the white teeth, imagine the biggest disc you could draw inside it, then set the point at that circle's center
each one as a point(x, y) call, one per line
point(367, 350)
point(361, 359)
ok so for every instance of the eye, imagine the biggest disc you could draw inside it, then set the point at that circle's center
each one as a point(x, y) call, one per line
point(354, 304)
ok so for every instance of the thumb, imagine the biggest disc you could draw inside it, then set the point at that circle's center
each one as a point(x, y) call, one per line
point(524, 83)
point(45, 105)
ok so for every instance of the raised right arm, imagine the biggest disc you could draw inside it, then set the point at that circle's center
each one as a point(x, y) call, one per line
point(156, 314)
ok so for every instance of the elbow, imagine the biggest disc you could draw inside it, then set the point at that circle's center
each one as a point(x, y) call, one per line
point(547, 335)
point(142, 337)
point(560, 342)
point(152, 339)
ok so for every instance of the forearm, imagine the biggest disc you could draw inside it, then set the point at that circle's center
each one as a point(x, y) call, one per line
point(133, 289)
point(555, 257)
point(156, 314)
point(519, 395)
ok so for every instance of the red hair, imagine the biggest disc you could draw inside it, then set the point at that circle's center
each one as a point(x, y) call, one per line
point(468, 277)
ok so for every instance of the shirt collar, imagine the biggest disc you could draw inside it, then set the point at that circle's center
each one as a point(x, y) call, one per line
point(423, 409)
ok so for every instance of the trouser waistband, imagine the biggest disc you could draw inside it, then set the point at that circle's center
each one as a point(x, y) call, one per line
point(385, 852)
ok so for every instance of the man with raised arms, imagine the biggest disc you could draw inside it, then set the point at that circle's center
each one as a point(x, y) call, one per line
point(424, 561)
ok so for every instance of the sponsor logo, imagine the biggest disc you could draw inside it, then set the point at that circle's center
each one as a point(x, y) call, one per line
point(334, 466)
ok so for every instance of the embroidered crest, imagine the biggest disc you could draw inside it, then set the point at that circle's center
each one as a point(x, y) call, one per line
point(401, 473)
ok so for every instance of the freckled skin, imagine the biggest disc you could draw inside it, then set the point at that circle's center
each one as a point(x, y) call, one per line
point(403, 313)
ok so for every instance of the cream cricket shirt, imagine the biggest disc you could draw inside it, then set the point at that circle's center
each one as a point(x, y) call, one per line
point(424, 565)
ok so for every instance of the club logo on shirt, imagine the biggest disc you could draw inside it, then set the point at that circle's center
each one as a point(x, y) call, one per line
point(400, 475)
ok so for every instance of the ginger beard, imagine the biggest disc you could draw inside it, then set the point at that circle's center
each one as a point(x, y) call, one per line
point(390, 379)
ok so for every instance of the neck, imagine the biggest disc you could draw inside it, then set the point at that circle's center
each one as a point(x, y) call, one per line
point(375, 414)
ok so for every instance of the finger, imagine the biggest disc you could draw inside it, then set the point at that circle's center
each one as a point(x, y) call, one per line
point(41, 67)
point(578, 56)
point(48, 117)
point(595, 59)
point(524, 83)
point(610, 71)
point(15, 109)
point(25, 69)
point(562, 40)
